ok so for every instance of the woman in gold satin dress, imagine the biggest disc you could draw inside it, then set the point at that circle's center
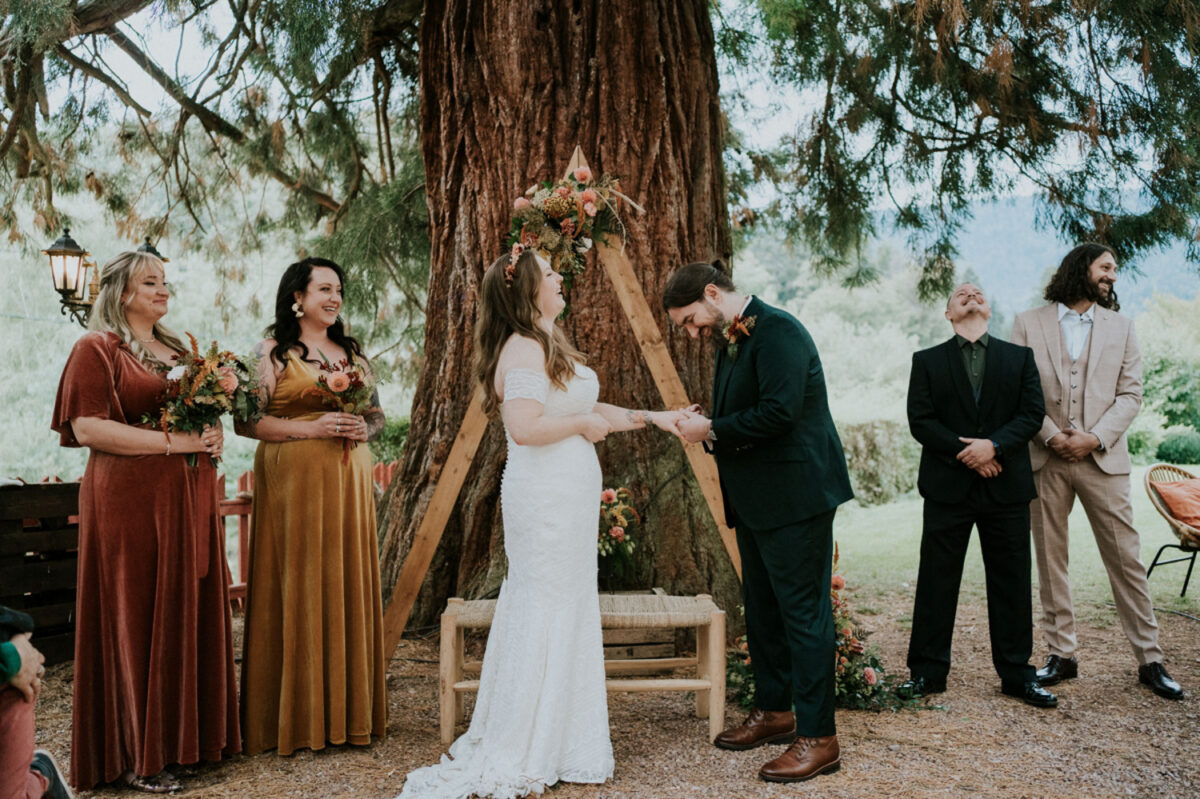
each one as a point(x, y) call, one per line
point(313, 663)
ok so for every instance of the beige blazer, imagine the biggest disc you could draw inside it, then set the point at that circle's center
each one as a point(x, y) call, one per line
point(1112, 392)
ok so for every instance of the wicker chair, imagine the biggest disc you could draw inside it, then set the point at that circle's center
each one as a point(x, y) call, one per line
point(1189, 537)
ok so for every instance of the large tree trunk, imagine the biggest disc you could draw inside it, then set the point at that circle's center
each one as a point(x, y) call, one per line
point(508, 88)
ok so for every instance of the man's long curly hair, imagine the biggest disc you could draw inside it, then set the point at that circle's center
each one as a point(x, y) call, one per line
point(1070, 283)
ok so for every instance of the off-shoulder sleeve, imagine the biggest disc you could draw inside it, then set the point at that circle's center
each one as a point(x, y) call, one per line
point(526, 384)
point(87, 387)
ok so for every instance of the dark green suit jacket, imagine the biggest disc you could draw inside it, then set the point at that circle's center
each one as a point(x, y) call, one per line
point(778, 453)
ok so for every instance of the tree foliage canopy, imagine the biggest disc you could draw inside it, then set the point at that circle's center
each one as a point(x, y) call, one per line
point(935, 104)
point(923, 106)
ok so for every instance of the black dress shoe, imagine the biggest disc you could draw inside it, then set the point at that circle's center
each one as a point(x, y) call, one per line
point(1058, 669)
point(1031, 693)
point(920, 686)
point(1154, 675)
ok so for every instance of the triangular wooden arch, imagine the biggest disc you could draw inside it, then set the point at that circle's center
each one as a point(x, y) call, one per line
point(474, 424)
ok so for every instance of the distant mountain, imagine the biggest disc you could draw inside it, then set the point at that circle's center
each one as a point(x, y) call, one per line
point(1013, 259)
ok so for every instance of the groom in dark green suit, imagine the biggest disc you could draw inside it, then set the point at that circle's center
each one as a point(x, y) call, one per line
point(783, 474)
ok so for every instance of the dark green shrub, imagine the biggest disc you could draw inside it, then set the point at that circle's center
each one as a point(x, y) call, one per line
point(1182, 446)
point(386, 448)
point(883, 459)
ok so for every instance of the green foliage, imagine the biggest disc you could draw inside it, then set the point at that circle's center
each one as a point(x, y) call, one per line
point(883, 458)
point(1180, 446)
point(1169, 333)
point(933, 105)
point(387, 446)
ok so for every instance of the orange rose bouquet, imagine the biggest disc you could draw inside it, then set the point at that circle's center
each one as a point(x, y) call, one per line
point(202, 388)
point(346, 387)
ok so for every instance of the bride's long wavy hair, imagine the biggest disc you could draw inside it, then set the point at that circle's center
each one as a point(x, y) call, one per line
point(507, 308)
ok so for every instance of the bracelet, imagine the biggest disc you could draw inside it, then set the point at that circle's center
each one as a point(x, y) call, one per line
point(168, 444)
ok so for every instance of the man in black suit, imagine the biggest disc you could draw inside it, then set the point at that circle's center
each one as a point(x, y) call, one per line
point(783, 474)
point(974, 402)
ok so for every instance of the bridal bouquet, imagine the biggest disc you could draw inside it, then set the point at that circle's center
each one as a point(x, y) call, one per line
point(563, 218)
point(201, 388)
point(617, 517)
point(345, 387)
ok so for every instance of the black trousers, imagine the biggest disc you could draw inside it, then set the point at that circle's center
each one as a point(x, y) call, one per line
point(789, 619)
point(1004, 542)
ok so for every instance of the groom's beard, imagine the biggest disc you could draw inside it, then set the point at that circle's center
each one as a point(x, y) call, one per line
point(717, 326)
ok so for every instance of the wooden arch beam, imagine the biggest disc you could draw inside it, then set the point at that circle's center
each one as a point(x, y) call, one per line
point(466, 443)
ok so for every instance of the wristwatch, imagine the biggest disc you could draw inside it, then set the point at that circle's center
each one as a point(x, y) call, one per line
point(712, 434)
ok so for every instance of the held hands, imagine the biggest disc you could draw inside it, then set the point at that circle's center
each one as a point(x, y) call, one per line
point(28, 680)
point(694, 426)
point(594, 427)
point(341, 425)
point(1073, 445)
point(667, 421)
point(979, 454)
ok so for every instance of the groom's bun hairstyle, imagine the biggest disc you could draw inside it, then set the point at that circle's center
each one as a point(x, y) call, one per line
point(687, 284)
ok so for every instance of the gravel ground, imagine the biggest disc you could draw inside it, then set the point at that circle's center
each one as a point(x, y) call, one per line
point(1109, 736)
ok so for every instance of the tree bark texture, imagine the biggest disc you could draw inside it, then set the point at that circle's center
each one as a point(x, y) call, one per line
point(509, 87)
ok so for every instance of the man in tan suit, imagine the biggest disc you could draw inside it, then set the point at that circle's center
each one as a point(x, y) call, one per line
point(1091, 371)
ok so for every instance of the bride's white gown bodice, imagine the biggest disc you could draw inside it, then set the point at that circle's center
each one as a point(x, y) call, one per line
point(541, 714)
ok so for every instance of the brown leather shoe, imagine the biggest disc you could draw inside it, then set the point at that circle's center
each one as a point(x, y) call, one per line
point(803, 760)
point(760, 727)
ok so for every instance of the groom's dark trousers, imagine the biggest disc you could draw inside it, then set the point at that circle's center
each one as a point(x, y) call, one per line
point(942, 406)
point(783, 474)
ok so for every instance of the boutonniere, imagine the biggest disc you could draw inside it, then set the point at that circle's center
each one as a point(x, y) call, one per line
point(735, 331)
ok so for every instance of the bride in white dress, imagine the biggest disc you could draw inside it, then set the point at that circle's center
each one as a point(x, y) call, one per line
point(541, 715)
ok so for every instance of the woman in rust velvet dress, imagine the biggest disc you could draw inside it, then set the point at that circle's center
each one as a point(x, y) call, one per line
point(312, 667)
point(154, 668)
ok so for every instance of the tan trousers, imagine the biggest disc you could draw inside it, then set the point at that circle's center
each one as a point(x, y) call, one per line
point(1105, 499)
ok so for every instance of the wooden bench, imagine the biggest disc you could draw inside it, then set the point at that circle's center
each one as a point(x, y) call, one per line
point(617, 611)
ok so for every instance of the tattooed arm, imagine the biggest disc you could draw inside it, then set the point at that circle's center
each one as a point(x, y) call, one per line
point(276, 428)
point(373, 416)
point(622, 419)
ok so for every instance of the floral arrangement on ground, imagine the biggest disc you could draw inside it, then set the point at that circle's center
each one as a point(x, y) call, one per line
point(562, 219)
point(860, 679)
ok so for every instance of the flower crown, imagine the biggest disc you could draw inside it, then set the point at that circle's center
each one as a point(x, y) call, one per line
point(562, 219)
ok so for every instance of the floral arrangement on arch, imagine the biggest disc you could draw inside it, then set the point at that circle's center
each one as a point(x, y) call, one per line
point(202, 388)
point(563, 219)
point(617, 520)
point(860, 682)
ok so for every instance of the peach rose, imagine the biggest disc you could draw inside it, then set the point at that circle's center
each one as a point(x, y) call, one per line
point(847, 632)
point(870, 676)
point(589, 209)
point(838, 582)
point(617, 532)
point(608, 496)
point(588, 196)
point(583, 174)
point(228, 380)
point(563, 191)
point(338, 381)
point(521, 203)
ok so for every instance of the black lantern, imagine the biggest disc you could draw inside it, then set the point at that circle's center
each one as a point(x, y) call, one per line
point(148, 248)
point(68, 273)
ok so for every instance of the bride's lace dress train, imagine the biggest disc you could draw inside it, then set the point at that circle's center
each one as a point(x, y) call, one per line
point(541, 715)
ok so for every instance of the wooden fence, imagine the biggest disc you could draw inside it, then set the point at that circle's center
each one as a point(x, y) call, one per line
point(39, 545)
point(39, 553)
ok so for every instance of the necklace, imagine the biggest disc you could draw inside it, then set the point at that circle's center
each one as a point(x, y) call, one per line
point(147, 340)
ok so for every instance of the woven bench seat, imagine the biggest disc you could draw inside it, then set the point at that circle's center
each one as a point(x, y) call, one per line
point(617, 611)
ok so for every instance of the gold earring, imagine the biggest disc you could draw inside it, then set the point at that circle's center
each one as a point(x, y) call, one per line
point(296, 307)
